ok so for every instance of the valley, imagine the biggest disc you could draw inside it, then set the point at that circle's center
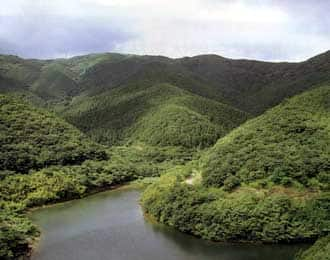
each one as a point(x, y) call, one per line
point(234, 151)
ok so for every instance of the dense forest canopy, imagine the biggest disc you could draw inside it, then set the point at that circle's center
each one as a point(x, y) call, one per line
point(288, 144)
point(32, 138)
point(227, 148)
point(113, 89)
point(267, 180)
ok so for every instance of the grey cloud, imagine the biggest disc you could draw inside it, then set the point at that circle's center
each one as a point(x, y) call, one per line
point(64, 28)
point(53, 36)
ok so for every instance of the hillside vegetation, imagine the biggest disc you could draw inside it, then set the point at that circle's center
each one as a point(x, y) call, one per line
point(255, 86)
point(250, 86)
point(44, 159)
point(160, 115)
point(267, 180)
point(289, 144)
point(115, 98)
point(102, 120)
point(320, 250)
point(31, 138)
point(19, 192)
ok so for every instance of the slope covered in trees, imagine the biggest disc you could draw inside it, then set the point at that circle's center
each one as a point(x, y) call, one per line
point(162, 115)
point(254, 86)
point(320, 250)
point(109, 95)
point(288, 144)
point(267, 180)
point(62, 164)
point(31, 138)
point(251, 86)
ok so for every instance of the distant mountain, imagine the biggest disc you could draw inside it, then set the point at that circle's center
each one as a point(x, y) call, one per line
point(31, 138)
point(112, 90)
point(255, 86)
point(251, 86)
point(261, 179)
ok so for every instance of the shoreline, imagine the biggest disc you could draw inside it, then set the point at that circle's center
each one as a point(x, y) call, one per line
point(128, 185)
point(34, 244)
point(150, 218)
point(33, 247)
point(90, 193)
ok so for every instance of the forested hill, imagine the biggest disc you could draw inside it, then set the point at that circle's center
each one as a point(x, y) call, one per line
point(251, 86)
point(32, 138)
point(161, 115)
point(255, 86)
point(288, 145)
point(267, 180)
point(115, 98)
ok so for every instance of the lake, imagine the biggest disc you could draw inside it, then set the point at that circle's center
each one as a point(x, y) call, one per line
point(111, 225)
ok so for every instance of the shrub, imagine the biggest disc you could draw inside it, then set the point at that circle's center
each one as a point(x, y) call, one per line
point(230, 183)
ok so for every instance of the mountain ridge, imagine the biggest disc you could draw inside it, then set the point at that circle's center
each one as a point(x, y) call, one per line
point(208, 71)
point(264, 180)
point(247, 85)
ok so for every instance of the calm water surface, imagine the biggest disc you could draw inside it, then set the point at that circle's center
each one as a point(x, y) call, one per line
point(110, 225)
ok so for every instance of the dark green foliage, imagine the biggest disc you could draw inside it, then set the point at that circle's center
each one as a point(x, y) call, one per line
point(55, 81)
point(231, 182)
point(31, 138)
point(178, 126)
point(255, 86)
point(251, 86)
point(105, 95)
point(141, 153)
point(16, 232)
point(58, 183)
point(159, 115)
point(288, 144)
point(319, 251)
point(112, 90)
point(18, 74)
point(108, 117)
point(244, 215)
point(267, 180)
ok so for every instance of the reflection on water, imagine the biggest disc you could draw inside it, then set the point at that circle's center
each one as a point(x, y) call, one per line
point(111, 225)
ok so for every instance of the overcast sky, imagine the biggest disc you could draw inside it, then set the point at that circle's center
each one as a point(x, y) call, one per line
point(291, 30)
